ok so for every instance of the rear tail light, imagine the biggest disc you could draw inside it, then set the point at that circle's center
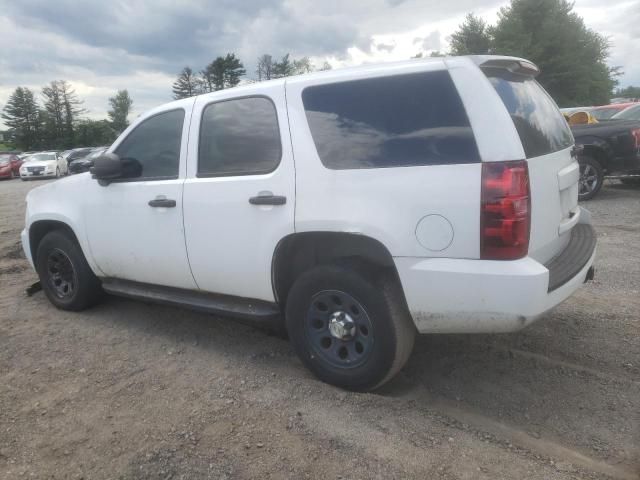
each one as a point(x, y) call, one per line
point(505, 216)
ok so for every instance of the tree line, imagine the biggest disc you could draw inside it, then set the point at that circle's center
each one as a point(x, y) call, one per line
point(571, 56)
point(226, 72)
point(59, 123)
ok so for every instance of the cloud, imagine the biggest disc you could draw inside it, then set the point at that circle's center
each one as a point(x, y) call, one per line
point(102, 46)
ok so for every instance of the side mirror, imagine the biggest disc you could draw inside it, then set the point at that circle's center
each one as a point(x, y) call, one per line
point(106, 168)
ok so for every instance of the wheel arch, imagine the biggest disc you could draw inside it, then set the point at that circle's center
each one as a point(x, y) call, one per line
point(298, 252)
point(39, 228)
point(596, 148)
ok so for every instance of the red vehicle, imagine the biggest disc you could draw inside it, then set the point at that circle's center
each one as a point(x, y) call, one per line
point(9, 165)
point(605, 112)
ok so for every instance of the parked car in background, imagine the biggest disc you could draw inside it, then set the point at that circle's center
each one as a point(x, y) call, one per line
point(10, 165)
point(610, 148)
point(581, 117)
point(629, 113)
point(43, 164)
point(425, 196)
point(83, 164)
point(78, 153)
point(605, 112)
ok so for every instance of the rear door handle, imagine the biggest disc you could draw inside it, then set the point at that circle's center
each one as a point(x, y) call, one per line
point(162, 202)
point(268, 200)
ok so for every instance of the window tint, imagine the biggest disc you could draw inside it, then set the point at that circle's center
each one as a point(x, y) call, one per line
point(404, 120)
point(153, 147)
point(239, 137)
point(540, 125)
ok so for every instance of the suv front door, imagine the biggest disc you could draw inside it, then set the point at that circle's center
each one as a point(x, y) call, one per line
point(134, 225)
point(239, 195)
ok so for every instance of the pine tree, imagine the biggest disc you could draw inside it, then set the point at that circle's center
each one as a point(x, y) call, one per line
point(472, 37)
point(63, 109)
point(572, 58)
point(121, 105)
point(21, 115)
point(233, 70)
point(283, 68)
point(186, 85)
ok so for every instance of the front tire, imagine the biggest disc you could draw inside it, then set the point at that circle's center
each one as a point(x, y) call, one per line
point(65, 275)
point(350, 329)
point(591, 178)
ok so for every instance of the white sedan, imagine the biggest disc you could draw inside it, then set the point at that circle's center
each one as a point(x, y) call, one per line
point(43, 164)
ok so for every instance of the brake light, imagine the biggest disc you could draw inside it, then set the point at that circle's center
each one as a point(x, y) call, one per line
point(505, 210)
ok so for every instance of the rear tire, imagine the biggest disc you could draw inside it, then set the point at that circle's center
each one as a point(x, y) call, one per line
point(367, 310)
point(591, 178)
point(65, 275)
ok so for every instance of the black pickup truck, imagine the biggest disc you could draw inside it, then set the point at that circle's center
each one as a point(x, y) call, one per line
point(607, 149)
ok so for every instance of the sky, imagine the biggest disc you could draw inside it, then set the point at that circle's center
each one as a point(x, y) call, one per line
point(101, 46)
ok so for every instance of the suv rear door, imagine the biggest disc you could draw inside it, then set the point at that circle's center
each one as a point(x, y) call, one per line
point(553, 171)
point(545, 142)
point(239, 196)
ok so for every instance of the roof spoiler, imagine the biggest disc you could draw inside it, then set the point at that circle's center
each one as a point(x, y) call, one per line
point(516, 66)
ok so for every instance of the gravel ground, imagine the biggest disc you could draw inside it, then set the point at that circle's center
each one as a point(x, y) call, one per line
point(130, 390)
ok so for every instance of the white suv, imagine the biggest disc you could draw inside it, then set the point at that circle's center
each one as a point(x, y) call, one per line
point(356, 207)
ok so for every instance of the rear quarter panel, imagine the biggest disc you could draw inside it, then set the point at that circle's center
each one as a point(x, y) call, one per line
point(383, 203)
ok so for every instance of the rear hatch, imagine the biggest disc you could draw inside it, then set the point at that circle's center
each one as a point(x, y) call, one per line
point(548, 146)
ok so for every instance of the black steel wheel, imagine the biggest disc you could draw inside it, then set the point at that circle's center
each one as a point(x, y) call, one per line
point(339, 329)
point(65, 275)
point(349, 326)
point(61, 275)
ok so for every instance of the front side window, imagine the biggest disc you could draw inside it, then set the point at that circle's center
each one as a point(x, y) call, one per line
point(540, 125)
point(153, 147)
point(239, 137)
point(396, 121)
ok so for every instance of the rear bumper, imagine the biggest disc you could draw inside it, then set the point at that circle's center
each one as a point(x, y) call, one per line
point(485, 296)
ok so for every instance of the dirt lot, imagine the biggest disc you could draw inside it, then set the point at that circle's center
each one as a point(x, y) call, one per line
point(130, 390)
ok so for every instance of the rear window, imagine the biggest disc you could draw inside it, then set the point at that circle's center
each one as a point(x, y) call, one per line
point(540, 125)
point(396, 121)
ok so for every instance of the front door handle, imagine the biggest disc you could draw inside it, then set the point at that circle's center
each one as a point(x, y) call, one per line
point(162, 202)
point(268, 200)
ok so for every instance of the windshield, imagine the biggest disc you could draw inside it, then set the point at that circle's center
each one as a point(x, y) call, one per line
point(540, 125)
point(631, 113)
point(604, 113)
point(38, 157)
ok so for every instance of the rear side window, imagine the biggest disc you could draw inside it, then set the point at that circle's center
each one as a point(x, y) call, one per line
point(239, 137)
point(153, 147)
point(397, 121)
point(540, 125)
